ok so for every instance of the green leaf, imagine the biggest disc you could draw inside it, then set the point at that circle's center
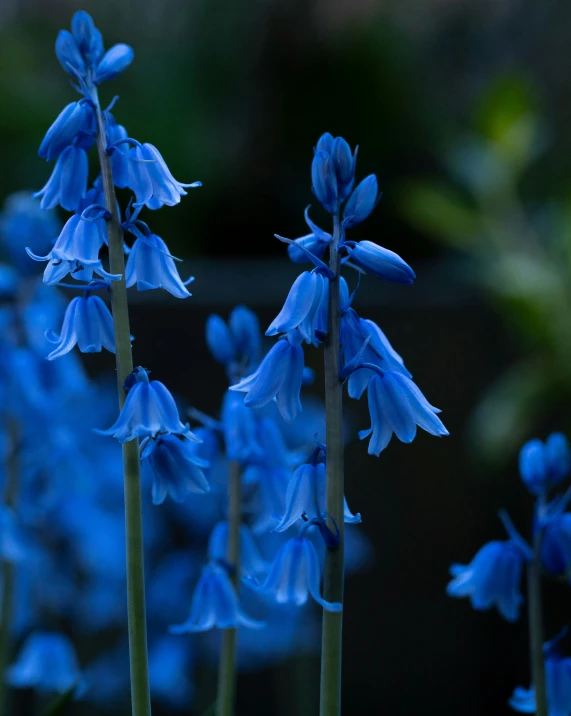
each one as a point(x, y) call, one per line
point(440, 210)
point(57, 706)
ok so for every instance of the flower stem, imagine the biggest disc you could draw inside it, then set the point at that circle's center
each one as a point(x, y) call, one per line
point(140, 693)
point(332, 634)
point(535, 617)
point(227, 664)
point(8, 568)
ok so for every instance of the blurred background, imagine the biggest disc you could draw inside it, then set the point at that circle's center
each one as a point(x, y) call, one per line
point(462, 110)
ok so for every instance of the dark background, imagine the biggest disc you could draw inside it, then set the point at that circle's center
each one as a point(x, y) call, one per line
point(445, 100)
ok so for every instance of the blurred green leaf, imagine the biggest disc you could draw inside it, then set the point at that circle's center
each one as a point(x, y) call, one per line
point(440, 210)
point(57, 706)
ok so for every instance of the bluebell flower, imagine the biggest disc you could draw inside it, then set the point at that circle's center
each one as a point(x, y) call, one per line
point(493, 577)
point(74, 119)
point(361, 202)
point(47, 662)
point(151, 266)
point(89, 323)
point(150, 179)
point(113, 62)
point(219, 339)
point(557, 684)
point(354, 332)
point(240, 429)
point(169, 668)
point(344, 162)
point(279, 376)
point(333, 173)
point(397, 406)
point(215, 604)
point(379, 262)
point(556, 546)
point(119, 160)
point(69, 54)
point(235, 344)
point(245, 330)
point(68, 181)
point(543, 465)
point(316, 243)
point(175, 469)
point(294, 575)
point(252, 563)
point(149, 410)
point(324, 181)
point(306, 495)
point(23, 222)
point(87, 36)
point(301, 307)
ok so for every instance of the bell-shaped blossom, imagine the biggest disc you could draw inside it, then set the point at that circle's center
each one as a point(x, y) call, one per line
point(148, 410)
point(174, 467)
point(556, 546)
point(87, 36)
point(87, 323)
point(74, 119)
point(543, 465)
point(492, 578)
point(119, 160)
point(236, 343)
point(397, 406)
point(240, 429)
point(361, 202)
point(252, 563)
point(324, 180)
point(113, 62)
point(76, 251)
point(354, 332)
point(294, 575)
point(215, 604)
point(68, 181)
point(47, 662)
point(306, 495)
point(301, 307)
point(316, 243)
point(150, 179)
point(278, 377)
point(379, 262)
point(151, 266)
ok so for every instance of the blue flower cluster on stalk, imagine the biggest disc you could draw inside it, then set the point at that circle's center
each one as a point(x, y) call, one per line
point(493, 577)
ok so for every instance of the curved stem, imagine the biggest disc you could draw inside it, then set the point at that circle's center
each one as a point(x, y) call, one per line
point(8, 568)
point(140, 692)
point(227, 665)
point(332, 634)
point(535, 616)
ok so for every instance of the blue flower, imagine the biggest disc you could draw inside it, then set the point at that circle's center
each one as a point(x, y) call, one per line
point(87, 36)
point(219, 339)
point(74, 119)
point(235, 344)
point(333, 171)
point(113, 62)
point(316, 242)
point(361, 202)
point(556, 546)
point(69, 55)
point(397, 406)
point(354, 332)
point(251, 562)
point(88, 323)
point(324, 181)
point(379, 262)
point(294, 575)
point(214, 604)
point(119, 161)
point(151, 266)
point(149, 410)
point(306, 495)
point(279, 376)
point(240, 429)
point(301, 307)
point(493, 577)
point(174, 467)
point(542, 465)
point(13, 546)
point(47, 662)
point(151, 180)
point(68, 182)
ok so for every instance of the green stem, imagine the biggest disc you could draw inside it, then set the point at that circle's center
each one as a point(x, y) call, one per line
point(8, 568)
point(332, 634)
point(227, 664)
point(140, 693)
point(535, 616)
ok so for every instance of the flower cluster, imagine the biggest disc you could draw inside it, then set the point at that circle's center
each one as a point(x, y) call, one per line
point(493, 577)
point(369, 362)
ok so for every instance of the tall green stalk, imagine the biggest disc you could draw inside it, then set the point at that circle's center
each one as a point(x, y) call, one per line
point(332, 634)
point(227, 664)
point(535, 618)
point(8, 568)
point(140, 693)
